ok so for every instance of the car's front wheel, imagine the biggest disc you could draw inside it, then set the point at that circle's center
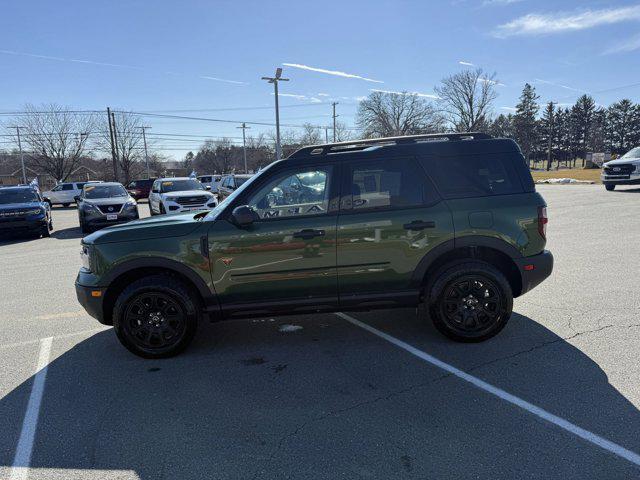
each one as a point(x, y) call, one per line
point(156, 316)
point(610, 187)
point(470, 302)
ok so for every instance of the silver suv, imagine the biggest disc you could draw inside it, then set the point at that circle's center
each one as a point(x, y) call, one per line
point(623, 171)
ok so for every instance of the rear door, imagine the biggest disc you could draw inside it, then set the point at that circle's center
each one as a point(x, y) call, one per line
point(390, 218)
point(288, 256)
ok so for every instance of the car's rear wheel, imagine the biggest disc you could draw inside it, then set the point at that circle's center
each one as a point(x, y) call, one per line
point(610, 187)
point(156, 316)
point(470, 302)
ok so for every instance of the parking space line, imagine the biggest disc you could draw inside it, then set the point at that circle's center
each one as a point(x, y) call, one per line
point(56, 337)
point(501, 394)
point(22, 459)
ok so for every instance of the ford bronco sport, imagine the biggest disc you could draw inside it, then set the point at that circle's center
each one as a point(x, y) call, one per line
point(449, 221)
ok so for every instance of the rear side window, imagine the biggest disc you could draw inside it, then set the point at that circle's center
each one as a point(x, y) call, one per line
point(381, 184)
point(67, 186)
point(474, 175)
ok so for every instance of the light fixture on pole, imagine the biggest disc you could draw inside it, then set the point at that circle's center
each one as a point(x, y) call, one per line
point(275, 80)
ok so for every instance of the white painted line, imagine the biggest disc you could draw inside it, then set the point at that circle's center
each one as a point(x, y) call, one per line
point(503, 395)
point(56, 337)
point(22, 459)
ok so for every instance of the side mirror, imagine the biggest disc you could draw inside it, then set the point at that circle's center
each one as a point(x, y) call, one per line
point(155, 190)
point(208, 188)
point(243, 216)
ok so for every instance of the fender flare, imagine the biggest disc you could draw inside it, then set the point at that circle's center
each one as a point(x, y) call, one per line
point(460, 242)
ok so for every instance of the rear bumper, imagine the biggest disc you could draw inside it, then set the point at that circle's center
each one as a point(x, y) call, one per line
point(534, 269)
point(92, 304)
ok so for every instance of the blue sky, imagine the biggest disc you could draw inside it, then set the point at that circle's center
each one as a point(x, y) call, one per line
point(190, 55)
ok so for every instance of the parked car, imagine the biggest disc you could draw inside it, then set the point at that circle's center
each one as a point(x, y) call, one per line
point(211, 181)
point(229, 183)
point(622, 171)
point(65, 193)
point(105, 204)
point(140, 189)
point(451, 222)
point(24, 211)
point(180, 194)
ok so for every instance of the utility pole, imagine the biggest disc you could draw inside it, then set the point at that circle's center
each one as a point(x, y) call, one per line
point(244, 146)
point(24, 171)
point(326, 134)
point(275, 81)
point(114, 158)
point(115, 143)
point(550, 146)
point(146, 154)
point(334, 119)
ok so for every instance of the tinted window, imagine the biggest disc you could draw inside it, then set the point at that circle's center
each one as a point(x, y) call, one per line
point(240, 180)
point(18, 196)
point(79, 186)
point(104, 191)
point(288, 196)
point(474, 175)
point(205, 179)
point(67, 186)
point(394, 183)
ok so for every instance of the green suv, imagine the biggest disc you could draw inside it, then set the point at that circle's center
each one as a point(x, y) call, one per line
point(451, 222)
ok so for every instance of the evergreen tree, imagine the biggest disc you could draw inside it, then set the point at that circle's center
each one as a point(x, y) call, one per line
point(524, 121)
point(582, 116)
point(623, 126)
point(548, 137)
point(502, 126)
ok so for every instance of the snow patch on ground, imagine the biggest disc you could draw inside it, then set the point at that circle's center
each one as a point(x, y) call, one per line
point(562, 181)
point(289, 328)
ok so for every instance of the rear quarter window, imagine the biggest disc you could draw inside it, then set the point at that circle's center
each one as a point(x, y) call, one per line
point(474, 175)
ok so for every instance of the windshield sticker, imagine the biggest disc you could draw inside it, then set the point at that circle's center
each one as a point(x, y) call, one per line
point(167, 184)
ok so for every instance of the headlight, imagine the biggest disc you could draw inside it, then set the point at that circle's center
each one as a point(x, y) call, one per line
point(638, 167)
point(130, 204)
point(171, 199)
point(85, 257)
point(35, 211)
point(89, 206)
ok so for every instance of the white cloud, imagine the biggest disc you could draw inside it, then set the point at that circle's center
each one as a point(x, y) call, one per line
point(324, 95)
point(468, 64)
point(559, 85)
point(417, 94)
point(331, 72)
point(629, 45)
point(299, 97)
point(538, 24)
point(492, 82)
point(511, 109)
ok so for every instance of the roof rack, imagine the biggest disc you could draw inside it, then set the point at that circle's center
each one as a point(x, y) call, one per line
point(354, 145)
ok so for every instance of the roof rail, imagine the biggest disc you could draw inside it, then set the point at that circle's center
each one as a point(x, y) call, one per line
point(324, 149)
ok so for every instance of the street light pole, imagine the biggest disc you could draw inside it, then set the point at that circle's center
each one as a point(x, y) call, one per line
point(146, 154)
point(244, 146)
point(275, 81)
point(334, 120)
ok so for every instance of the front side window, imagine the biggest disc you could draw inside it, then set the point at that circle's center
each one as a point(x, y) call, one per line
point(288, 196)
point(67, 186)
point(380, 184)
point(57, 188)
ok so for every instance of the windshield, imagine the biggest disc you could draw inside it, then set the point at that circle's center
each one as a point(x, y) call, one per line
point(245, 184)
point(180, 185)
point(18, 196)
point(104, 191)
point(633, 153)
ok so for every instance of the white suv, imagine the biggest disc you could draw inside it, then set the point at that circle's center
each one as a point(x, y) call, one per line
point(212, 181)
point(623, 171)
point(180, 194)
point(65, 193)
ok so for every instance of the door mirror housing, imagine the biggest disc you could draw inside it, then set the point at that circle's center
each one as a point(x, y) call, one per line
point(207, 188)
point(244, 216)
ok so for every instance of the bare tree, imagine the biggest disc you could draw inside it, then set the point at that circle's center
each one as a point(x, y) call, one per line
point(467, 98)
point(310, 135)
point(129, 144)
point(56, 138)
point(343, 133)
point(384, 114)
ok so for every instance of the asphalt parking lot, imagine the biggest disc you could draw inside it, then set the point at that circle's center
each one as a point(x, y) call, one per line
point(555, 395)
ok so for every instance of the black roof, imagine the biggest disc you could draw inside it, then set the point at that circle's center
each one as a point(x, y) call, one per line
point(440, 144)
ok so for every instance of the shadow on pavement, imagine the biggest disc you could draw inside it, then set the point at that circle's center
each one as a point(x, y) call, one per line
point(67, 233)
point(327, 401)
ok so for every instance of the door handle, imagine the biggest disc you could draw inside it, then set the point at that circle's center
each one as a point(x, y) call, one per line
point(308, 233)
point(419, 225)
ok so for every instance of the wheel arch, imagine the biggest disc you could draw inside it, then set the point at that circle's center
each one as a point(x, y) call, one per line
point(130, 271)
point(495, 252)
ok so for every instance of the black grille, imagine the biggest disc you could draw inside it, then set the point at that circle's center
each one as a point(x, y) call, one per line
point(110, 208)
point(624, 169)
point(191, 201)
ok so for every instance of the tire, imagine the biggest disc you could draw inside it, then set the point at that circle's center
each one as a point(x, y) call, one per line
point(610, 187)
point(66, 205)
point(469, 302)
point(156, 316)
point(151, 212)
point(162, 210)
point(83, 227)
point(45, 232)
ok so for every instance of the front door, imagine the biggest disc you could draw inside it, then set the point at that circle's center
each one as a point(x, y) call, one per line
point(390, 217)
point(154, 195)
point(287, 257)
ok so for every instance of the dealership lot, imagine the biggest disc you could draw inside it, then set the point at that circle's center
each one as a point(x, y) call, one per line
point(266, 399)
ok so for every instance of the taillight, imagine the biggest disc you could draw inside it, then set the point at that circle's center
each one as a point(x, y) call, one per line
point(542, 222)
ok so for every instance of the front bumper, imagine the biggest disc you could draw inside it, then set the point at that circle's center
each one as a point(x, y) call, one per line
point(632, 179)
point(534, 269)
point(91, 299)
point(23, 225)
point(98, 220)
